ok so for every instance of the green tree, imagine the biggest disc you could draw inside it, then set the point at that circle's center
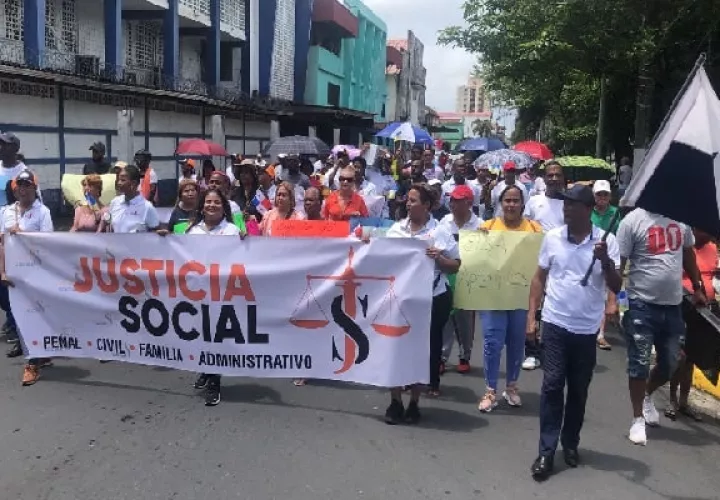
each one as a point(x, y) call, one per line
point(548, 58)
point(482, 128)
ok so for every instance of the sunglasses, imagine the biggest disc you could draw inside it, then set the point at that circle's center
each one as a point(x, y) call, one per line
point(347, 179)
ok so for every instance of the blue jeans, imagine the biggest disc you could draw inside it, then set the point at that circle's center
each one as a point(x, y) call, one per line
point(500, 329)
point(646, 324)
point(569, 359)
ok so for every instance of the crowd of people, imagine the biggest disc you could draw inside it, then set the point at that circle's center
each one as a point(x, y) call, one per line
point(586, 248)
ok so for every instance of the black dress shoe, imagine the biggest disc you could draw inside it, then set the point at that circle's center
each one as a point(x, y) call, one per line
point(572, 458)
point(542, 467)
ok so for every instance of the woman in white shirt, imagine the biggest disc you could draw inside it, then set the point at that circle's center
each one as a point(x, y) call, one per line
point(129, 212)
point(214, 218)
point(443, 249)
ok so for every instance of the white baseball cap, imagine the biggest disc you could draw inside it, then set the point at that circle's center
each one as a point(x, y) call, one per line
point(602, 186)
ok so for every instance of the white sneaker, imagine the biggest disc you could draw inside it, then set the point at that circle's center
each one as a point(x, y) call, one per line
point(650, 413)
point(637, 432)
point(531, 363)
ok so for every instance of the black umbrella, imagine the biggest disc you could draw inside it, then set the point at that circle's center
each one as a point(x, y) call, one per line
point(297, 145)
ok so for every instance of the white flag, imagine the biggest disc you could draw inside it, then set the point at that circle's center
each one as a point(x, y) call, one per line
point(679, 176)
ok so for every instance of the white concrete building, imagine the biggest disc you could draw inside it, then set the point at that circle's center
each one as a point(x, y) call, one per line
point(71, 71)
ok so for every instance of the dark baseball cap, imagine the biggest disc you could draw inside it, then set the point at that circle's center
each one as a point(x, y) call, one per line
point(99, 147)
point(580, 193)
point(26, 176)
point(10, 138)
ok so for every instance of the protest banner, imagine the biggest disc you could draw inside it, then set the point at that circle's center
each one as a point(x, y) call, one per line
point(260, 307)
point(74, 193)
point(289, 228)
point(496, 270)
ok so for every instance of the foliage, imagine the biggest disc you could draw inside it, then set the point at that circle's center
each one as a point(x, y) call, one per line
point(548, 58)
point(482, 128)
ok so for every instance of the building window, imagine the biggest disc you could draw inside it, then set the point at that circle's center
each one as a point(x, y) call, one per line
point(232, 13)
point(226, 62)
point(14, 20)
point(333, 95)
point(144, 45)
point(199, 7)
point(61, 27)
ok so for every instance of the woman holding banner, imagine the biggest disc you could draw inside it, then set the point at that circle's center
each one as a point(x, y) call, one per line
point(214, 218)
point(505, 328)
point(284, 208)
point(89, 214)
point(443, 249)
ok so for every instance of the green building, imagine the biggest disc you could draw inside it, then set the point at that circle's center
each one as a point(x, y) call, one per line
point(346, 58)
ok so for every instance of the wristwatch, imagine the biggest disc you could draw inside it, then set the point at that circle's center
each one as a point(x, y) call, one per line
point(698, 285)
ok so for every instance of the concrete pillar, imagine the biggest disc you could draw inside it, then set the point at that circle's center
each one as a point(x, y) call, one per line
point(171, 44)
point(218, 136)
point(212, 63)
point(312, 131)
point(336, 136)
point(126, 135)
point(113, 37)
point(274, 130)
point(34, 32)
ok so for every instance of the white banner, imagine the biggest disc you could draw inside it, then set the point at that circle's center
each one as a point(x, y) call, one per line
point(262, 307)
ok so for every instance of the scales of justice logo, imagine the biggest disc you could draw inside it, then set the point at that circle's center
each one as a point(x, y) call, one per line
point(349, 312)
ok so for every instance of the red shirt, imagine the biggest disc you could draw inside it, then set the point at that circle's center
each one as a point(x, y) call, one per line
point(707, 259)
point(334, 210)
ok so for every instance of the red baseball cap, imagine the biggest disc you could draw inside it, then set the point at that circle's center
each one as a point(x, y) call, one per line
point(509, 165)
point(462, 192)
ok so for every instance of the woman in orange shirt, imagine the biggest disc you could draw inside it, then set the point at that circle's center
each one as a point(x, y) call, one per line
point(707, 261)
point(345, 203)
point(284, 208)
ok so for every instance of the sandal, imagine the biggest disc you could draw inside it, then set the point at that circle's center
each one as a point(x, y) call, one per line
point(671, 413)
point(488, 402)
point(433, 393)
point(299, 382)
point(690, 413)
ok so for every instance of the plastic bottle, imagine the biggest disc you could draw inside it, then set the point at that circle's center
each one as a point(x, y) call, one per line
point(622, 300)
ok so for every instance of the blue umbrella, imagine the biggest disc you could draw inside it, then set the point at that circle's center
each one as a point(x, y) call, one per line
point(405, 131)
point(481, 144)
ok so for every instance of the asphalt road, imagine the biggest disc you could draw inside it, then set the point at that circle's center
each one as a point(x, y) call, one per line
point(117, 431)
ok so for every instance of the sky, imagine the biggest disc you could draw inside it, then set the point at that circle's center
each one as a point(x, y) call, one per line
point(447, 68)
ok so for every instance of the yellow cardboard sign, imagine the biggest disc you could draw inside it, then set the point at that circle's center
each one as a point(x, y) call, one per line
point(496, 271)
point(74, 193)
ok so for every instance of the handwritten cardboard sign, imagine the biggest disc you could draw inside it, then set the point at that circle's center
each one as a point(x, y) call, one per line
point(496, 270)
point(310, 229)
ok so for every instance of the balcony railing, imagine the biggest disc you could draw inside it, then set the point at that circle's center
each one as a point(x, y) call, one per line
point(12, 53)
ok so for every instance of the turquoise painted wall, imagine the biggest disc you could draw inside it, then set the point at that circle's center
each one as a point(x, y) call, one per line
point(323, 67)
point(360, 69)
point(365, 59)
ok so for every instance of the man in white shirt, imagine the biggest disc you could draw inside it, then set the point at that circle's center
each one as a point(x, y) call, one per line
point(432, 171)
point(10, 167)
point(571, 316)
point(459, 169)
point(547, 208)
point(624, 175)
point(510, 173)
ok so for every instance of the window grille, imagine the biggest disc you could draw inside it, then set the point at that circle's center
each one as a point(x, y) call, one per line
point(61, 26)
point(232, 14)
point(14, 20)
point(200, 7)
point(143, 44)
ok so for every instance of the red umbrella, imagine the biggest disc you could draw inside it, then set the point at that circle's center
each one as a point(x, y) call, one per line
point(200, 147)
point(537, 150)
